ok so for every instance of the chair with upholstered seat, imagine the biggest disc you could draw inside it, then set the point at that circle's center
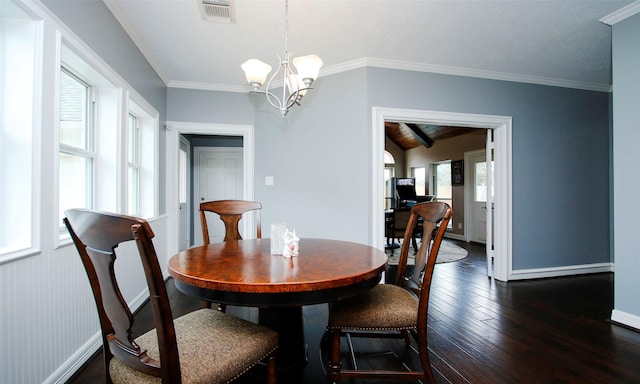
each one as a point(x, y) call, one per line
point(204, 346)
point(230, 212)
point(398, 225)
point(393, 310)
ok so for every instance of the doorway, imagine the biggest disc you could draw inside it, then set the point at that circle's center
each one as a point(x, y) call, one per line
point(177, 128)
point(501, 129)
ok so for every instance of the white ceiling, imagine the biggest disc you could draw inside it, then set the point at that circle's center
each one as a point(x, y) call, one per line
point(561, 42)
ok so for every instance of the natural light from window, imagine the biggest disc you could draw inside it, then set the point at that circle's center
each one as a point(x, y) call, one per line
point(419, 173)
point(389, 173)
point(480, 182)
point(442, 184)
point(75, 161)
point(133, 182)
point(108, 138)
point(18, 69)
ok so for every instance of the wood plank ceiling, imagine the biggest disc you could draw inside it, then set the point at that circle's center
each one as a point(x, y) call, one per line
point(411, 135)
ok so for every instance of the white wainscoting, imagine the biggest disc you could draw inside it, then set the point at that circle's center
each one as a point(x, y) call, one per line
point(49, 323)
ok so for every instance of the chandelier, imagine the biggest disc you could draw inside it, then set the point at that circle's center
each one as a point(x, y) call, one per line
point(294, 85)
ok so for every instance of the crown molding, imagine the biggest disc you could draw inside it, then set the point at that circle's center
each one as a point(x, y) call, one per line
point(417, 67)
point(622, 13)
point(483, 74)
point(208, 86)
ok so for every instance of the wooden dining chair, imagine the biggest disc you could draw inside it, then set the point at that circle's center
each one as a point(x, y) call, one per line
point(230, 212)
point(204, 346)
point(393, 310)
point(398, 227)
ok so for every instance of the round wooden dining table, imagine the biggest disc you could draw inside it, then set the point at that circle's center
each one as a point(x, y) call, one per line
point(245, 273)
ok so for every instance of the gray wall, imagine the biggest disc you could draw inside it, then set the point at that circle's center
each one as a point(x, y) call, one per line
point(206, 107)
point(319, 156)
point(626, 160)
point(560, 157)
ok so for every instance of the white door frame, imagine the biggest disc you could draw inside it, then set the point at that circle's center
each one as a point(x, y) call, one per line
point(174, 129)
point(501, 126)
point(183, 243)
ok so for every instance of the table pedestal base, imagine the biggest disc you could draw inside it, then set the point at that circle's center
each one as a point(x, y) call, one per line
point(288, 322)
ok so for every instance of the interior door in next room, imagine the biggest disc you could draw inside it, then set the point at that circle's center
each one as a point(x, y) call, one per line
point(217, 176)
point(477, 168)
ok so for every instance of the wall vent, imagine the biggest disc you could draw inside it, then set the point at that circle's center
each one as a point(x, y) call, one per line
point(221, 11)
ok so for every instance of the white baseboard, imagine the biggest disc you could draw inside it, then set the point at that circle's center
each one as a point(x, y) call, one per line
point(625, 319)
point(539, 273)
point(82, 355)
point(76, 361)
point(139, 300)
point(454, 236)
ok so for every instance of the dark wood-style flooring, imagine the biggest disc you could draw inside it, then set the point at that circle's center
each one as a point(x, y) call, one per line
point(480, 331)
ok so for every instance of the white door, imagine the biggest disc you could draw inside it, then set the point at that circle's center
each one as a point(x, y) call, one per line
point(183, 195)
point(477, 170)
point(217, 176)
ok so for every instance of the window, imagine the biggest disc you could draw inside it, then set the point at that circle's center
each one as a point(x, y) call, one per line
point(442, 181)
point(107, 143)
point(76, 144)
point(480, 182)
point(441, 186)
point(388, 158)
point(419, 173)
point(18, 127)
point(389, 173)
point(141, 161)
point(133, 155)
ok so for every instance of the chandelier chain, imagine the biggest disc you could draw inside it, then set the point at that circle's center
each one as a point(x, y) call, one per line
point(286, 25)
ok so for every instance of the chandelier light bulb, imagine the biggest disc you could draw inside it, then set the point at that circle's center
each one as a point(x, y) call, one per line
point(256, 72)
point(308, 67)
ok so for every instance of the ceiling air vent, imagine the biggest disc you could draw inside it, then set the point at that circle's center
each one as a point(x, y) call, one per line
point(220, 11)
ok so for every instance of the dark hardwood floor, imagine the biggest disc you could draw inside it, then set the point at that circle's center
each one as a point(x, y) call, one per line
point(480, 331)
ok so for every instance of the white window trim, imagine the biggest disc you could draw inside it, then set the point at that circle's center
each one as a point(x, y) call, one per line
point(148, 121)
point(133, 164)
point(111, 86)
